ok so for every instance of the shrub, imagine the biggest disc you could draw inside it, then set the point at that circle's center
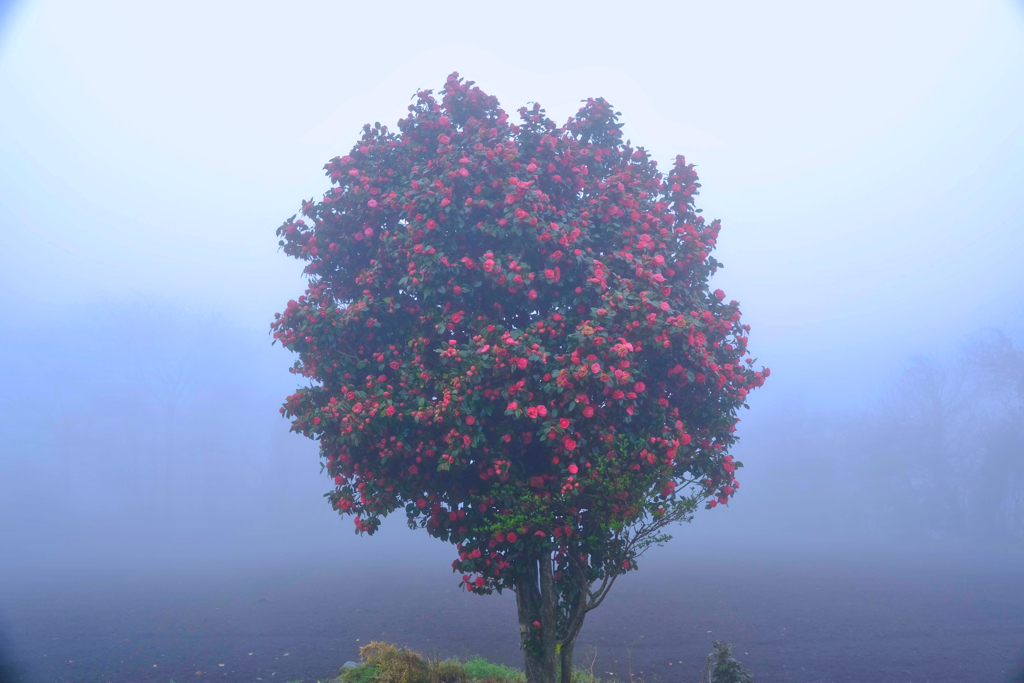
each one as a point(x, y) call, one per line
point(722, 667)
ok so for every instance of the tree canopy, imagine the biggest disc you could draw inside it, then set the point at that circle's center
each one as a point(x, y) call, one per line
point(509, 334)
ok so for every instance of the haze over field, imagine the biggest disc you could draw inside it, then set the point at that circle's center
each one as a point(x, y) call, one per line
point(865, 162)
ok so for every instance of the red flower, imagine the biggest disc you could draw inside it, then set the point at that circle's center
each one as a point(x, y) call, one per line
point(511, 537)
point(569, 444)
point(512, 406)
point(431, 224)
point(542, 411)
point(563, 423)
point(588, 412)
point(573, 469)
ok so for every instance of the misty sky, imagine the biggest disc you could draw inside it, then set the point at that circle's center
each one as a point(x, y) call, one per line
point(865, 161)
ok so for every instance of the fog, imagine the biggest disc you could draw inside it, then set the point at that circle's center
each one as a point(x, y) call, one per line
point(865, 162)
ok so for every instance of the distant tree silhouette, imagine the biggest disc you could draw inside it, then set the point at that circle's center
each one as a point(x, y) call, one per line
point(940, 457)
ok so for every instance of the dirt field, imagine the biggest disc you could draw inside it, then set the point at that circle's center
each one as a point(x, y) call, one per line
point(807, 618)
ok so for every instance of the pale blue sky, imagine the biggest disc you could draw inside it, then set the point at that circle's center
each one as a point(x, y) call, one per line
point(865, 160)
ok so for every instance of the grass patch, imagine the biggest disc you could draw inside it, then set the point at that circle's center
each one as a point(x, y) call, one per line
point(386, 663)
point(480, 669)
point(363, 673)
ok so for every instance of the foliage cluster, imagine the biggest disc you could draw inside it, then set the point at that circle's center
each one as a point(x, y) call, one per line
point(509, 334)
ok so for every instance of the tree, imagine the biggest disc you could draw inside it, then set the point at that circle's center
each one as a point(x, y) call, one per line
point(508, 333)
point(997, 481)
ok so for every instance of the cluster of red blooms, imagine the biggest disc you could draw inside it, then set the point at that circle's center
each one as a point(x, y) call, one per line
point(494, 309)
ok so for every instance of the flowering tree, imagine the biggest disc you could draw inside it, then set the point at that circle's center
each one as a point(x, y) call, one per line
point(508, 334)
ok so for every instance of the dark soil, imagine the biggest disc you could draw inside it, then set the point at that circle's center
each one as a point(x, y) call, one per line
point(812, 617)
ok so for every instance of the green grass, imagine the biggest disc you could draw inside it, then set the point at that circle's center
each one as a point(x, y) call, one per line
point(479, 668)
point(364, 673)
point(387, 663)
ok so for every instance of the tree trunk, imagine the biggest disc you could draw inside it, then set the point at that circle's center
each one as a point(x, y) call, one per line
point(566, 663)
point(548, 619)
point(527, 604)
point(573, 625)
point(536, 601)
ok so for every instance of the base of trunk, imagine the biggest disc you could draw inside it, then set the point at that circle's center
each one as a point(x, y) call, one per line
point(565, 662)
